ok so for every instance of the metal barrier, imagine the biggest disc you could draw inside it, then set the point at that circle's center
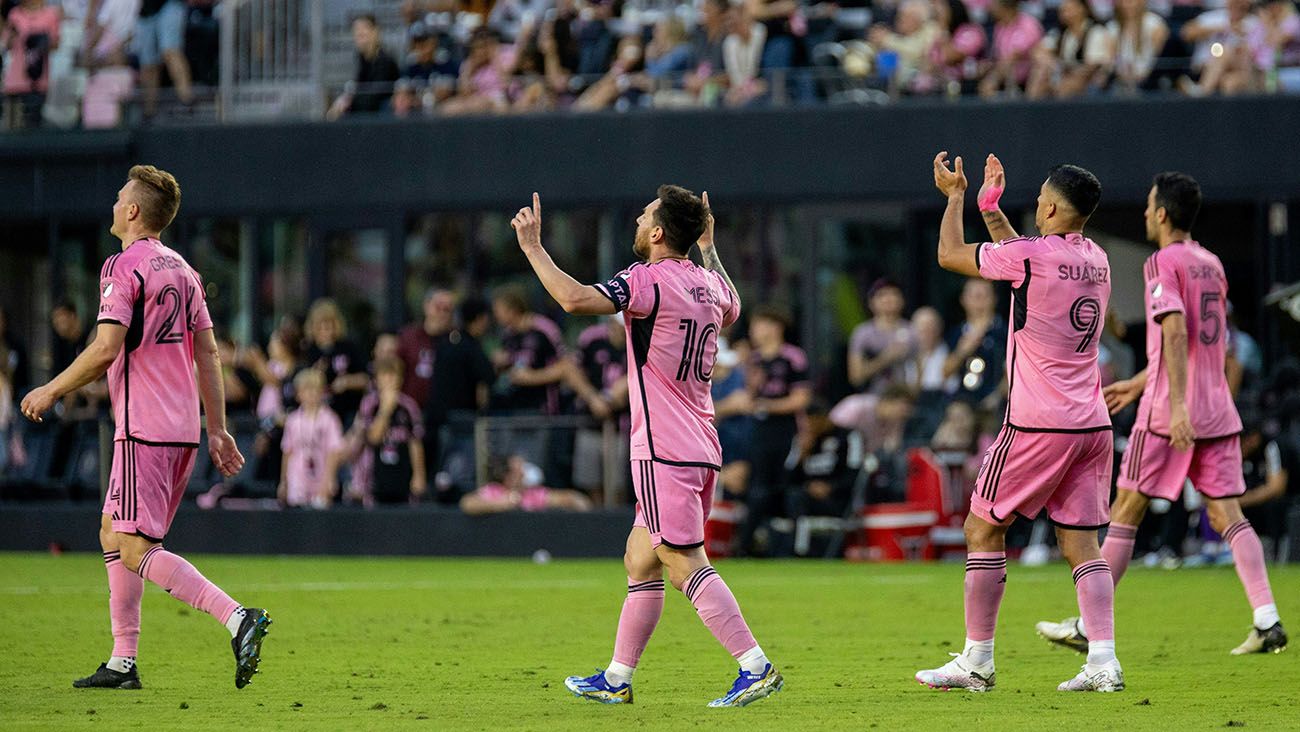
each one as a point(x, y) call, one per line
point(272, 52)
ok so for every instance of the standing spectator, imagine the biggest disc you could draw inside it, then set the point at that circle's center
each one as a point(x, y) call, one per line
point(69, 336)
point(599, 378)
point(105, 44)
point(1275, 44)
point(462, 377)
point(953, 61)
point(1272, 480)
point(337, 358)
point(391, 467)
point(427, 61)
point(822, 467)
point(484, 75)
point(742, 54)
point(376, 72)
point(979, 345)
point(595, 37)
point(1015, 36)
point(160, 38)
point(913, 35)
point(419, 344)
point(30, 33)
point(1139, 37)
point(529, 362)
point(313, 435)
point(777, 379)
point(784, 25)
point(706, 50)
point(1227, 71)
point(733, 409)
point(923, 370)
point(1073, 59)
point(879, 347)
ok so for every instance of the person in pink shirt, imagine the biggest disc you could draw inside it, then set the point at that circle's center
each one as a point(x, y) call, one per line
point(31, 33)
point(1054, 451)
point(152, 337)
point(1015, 36)
point(1187, 425)
point(673, 310)
point(312, 436)
point(952, 62)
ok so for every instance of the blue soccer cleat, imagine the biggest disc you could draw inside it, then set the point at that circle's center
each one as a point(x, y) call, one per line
point(596, 688)
point(749, 688)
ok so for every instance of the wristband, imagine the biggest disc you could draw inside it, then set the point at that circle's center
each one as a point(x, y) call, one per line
point(988, 200)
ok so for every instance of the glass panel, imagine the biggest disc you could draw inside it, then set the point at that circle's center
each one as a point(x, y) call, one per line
point(357, 280)
point(282, 268)
point(214, 247)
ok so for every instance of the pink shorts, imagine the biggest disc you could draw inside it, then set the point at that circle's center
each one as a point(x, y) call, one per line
point(1152, 467)
point(146, 487)
point(1067, 473)
point(673, 502)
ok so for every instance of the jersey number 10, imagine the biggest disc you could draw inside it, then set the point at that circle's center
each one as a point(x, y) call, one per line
point(694, 344)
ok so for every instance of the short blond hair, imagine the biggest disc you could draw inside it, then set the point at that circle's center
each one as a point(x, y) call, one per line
point(309, 378)
point(158, 195)
point(325, 309)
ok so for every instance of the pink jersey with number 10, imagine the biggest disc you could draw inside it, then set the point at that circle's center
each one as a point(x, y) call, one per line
point(673, 310)
point(158, 297)
point(1186, 278)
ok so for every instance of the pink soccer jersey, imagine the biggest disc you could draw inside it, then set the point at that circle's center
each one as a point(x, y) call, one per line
point(154, 292)
point(1185, 278)
point(673, 310)
point(1058, 307)
point(309, 440)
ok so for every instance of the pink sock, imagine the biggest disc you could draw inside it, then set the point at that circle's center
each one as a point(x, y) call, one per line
point(1117, 550)
point(986, 579)
point(641, 611)
point(717, 607)
point(183, 582)
point(1096, 591)
point(125, 588)
point(1248, 554)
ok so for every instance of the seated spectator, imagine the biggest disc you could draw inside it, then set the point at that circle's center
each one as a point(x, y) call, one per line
point(913, 35)
point(742, 54)
point(390, 428)
point(1139, 36)
point(822, 466)
point(516, 486)
point(30, 33)
point(1275, 47)
point(1272, 470)
point(593, 35)
point(408, 98)
point(952, 61)
point(341, 362)
point(427, 60)
point(484, 76)
point(313, 435)
point(1015, 36)
point(923, 370)
point(959, 430)
point(880, 421)
point(618, 80)
point(372, 87)
point(784, 25)
point(1073, 59)
point(879, 347)
point(733, 409)
point(104, 55)
point(1222, 54)
point(978, 347)
point(529, 365)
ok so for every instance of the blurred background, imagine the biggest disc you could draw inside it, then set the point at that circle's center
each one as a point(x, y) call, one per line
point(350, 168)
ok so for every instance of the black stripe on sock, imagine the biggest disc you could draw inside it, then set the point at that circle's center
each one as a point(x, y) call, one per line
point(148, 556)
point(1087, 568)
point(1231, 532)
point(694, 582)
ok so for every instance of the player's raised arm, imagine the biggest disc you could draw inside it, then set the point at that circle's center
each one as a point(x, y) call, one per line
point(572, 295)
point(221, 446)
point(995, 182)
point(954, 254)
point(89, 366)
point(709, 250)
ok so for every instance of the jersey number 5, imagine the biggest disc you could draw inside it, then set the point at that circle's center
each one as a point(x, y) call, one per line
point(1085, 317)
point(694, 344)
point(1211, 321)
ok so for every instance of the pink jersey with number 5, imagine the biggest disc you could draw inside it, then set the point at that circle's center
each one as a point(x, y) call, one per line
point(1186, 278)
point(673, 310)
point(158, 297)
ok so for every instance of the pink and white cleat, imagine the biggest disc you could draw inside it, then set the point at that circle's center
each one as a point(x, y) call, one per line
point(959, 673)
point(1105, 677)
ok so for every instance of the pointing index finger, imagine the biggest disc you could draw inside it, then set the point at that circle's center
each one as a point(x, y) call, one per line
point(537, 205)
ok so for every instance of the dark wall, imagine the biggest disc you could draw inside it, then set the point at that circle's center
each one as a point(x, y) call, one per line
point(1242, 148)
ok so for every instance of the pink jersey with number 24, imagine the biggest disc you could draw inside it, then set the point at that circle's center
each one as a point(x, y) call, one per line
point(1186, 278)
point(158, 297)
point(672, 310)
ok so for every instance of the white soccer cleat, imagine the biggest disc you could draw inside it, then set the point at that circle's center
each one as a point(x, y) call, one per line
point(959, 673)
point(1272, 640)
point(1066, 633)
point(1106, 677)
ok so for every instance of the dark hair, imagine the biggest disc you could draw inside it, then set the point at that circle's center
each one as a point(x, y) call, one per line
point(472, 309)
point(884, 283)
point(958, 15)
point(723, 5)
point(366, 18)
point(897, 393)
point(1180, 196)
point(1077, 186)
point(774, 313)
point(512, 297)
point(682, 215)
point(65, 304)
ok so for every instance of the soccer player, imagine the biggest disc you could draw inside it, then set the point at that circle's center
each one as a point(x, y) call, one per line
point(153, 334)
point(1054, 450)
point(1187, 425)
point(673, 310)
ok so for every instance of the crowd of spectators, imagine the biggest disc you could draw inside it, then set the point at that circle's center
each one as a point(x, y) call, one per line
point(78, 62)
point(324, 419)
point(516, 56)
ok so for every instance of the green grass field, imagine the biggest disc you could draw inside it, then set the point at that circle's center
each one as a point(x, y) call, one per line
point(463, 644)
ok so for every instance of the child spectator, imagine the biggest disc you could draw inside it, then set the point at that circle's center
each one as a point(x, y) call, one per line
point(391, 466)
point(312, 436)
